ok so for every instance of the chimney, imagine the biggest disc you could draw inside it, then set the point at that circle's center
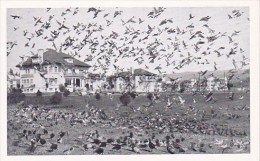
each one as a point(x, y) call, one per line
point(132, 70)
point(40, 55)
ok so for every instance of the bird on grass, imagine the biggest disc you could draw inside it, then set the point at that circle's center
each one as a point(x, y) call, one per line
point(99, 150)
point(170, 149)
point(52, 135)
point(135, 149)
point(151, 144)
point(32, 147)
point(53, 146)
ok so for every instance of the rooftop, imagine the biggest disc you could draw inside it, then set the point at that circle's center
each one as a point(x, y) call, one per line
point(52, 56)
point(140, 72)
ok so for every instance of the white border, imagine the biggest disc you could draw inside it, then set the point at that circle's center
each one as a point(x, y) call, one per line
point(254, 77)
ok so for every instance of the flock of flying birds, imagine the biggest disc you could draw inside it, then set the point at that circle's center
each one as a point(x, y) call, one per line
point(173, 45)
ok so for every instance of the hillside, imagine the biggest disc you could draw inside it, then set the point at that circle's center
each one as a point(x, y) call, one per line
point(238, 74)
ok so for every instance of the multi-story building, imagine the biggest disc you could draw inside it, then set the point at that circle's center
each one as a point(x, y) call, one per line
point(216, 84)
point(48, 70)
point(145, 81)
point(138, 80)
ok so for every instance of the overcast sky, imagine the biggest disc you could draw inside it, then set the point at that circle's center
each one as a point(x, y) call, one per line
point(178, 18)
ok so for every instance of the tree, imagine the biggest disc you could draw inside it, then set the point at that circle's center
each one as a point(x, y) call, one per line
point(66, 93)
point(56, 98)
point(125, 99)
point(39, 93)
point(62, 88)
point(229, 85)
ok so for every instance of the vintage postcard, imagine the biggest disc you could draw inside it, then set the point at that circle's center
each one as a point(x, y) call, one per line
point(158, 80)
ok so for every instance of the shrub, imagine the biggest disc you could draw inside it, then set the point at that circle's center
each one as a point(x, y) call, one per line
point(15, 96)
point(39, 93)
point(97, 96)
point(62, 88)
point(229, 85)
point(66, 93)
point(150, 96)
point(56, 98)
point(133, 94)
point(125, 99)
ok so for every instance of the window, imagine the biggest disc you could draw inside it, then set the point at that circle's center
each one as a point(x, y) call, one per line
point(34, 70)
point(68, 81)
point(55, 81)
point(27, 71)
point(50, 89)
point(59, 69)
point(45, 68)
point(55, 69)
point(51, 81)
point(31, 81)
point(50, 69)
point(31, 90)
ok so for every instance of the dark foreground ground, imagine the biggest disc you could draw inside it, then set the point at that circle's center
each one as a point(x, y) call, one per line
point(193, 126)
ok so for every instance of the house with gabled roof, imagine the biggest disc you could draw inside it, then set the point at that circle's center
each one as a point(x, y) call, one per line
point(145, 81)
point(138, 80)
point(48, 70)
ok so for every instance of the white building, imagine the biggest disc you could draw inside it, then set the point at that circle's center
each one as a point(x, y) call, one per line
point(138, 80)
point(47, 71)
point(95, 83)
point(145, 81)
point(13, 81)
point(216, 84)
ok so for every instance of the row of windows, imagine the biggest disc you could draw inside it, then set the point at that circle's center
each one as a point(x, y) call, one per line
point(52, 69)
point(28, 90)
point(27, 82)
point(28, 71)
point(73, 71)
point(52, 89)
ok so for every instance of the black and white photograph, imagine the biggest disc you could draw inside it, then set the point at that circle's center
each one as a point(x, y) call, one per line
point(128, 80)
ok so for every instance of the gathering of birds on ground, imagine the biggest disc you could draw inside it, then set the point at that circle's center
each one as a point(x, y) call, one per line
point(161, 124)
point(197, 122)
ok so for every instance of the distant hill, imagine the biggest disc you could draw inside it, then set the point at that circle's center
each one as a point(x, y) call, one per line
point(238, 74)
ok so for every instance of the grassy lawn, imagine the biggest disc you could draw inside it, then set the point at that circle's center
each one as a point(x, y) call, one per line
point(134, 117)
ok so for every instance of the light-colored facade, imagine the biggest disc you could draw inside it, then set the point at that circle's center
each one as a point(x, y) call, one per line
point(216, 84)
point(47, 71)
point(13, 81)
point(138, 80)
point(144, 83)
point(95, 83)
